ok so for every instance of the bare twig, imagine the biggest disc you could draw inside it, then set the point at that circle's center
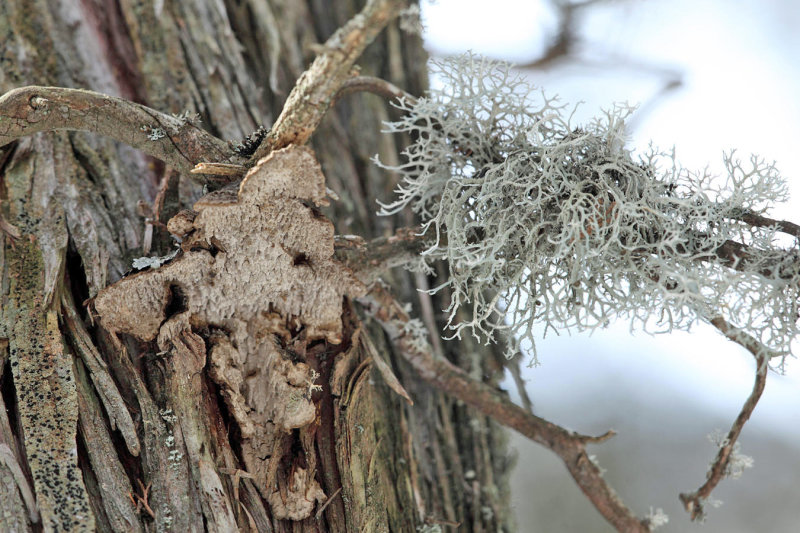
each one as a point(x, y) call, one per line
point(237, 475)
point(441, 521)
point(738, 256)
point(141, 501)
point(568, 445)
point(220, 169)
point(174, 140)
point(163, 207)
point(315, 90)
point(10, 229)
point(373, 85)
point(566, 45)
point(377, 255)
point(694, 501)
point(426, 310)
point(327, 503)
point(790, 228)
point(562, 45)
point(407, 243)
point(516, 375)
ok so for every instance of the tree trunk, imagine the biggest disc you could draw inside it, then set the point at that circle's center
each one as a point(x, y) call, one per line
point(116, 432)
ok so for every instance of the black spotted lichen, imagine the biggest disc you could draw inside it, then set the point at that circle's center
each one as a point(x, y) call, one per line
point(544, 222)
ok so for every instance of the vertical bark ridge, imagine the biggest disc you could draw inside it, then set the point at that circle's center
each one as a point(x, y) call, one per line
point(233, 62)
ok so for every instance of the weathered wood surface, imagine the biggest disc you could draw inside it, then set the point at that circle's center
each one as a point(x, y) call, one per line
point(154, 438)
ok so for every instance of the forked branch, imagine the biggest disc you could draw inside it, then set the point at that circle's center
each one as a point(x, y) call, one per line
point(568, 445)
point(174, 140)
point(408, 242)
point(314, 92)
point(694, 501)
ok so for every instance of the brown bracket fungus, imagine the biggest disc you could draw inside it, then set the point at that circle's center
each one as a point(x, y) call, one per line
point(257, 265)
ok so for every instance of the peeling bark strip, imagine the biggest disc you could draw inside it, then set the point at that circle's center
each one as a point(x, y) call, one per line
point(694, 502)
point(118, 415)
point(46, 395)
point(31, 278)
point(118, 508)
point(256, 265)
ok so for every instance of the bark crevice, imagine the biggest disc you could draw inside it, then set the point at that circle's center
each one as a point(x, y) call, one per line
point(156, 405)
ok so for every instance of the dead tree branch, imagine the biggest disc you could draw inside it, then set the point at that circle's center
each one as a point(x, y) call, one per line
point(369, 258)
point(314, 92)
point(407, 243)
point(758, 221)
point(174, 140)
point(694, 501)
point(372, 85)
point(568, 445)
point(567, 44)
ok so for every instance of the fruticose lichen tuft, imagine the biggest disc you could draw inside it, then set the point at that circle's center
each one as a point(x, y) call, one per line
point(542, 221)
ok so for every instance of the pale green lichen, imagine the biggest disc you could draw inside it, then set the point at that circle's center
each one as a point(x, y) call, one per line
point(168, 415)
point(410, 20)
point(657, 518)
point(141, 263)
point(154, 133)
point(545, 222)
point(737, 462)
point(311, 383)
point(188, 117)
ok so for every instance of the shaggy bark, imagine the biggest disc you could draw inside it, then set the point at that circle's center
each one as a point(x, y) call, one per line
point(119, 432)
